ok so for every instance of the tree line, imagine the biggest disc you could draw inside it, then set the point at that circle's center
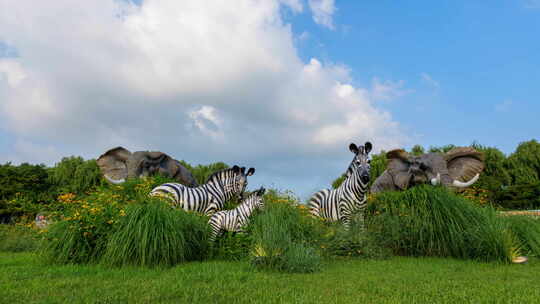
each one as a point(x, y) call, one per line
point(508, 181)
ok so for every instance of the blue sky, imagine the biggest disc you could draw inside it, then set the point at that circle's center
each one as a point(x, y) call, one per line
point(282, 85)
point(484, 60)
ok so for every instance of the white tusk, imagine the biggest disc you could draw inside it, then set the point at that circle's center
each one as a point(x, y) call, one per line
point(437, 180)
point(114, 181)
point(459, 184)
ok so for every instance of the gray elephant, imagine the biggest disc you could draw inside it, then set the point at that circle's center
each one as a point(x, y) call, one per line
point(458, 168)
point(117, 164)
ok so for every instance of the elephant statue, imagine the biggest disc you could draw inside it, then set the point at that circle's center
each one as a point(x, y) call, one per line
point(456, 169)
point(118, 163)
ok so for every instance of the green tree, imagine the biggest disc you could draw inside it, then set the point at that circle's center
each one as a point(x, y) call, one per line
point(202, 172)
point(74, 174)
point(417, 150)
point(524, 164)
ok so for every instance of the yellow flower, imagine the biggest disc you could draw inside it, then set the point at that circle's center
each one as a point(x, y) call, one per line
point(122, 212)
point(110, 221)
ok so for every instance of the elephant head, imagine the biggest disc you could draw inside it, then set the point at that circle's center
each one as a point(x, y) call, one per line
point(118, 164)
point(456, 169)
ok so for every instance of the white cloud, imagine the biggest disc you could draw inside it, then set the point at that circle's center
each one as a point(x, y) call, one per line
point(429, 80)
point(388, 90)
point(200, 80)
point(322, 11)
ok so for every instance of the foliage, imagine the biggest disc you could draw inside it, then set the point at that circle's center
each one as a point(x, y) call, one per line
point(441, 149)
point(353, 242)
point(154, 234)
point(417, 150)
point(527, 230)
point(526, 196)
point(22, 185)
point(202, 172)
point(282, 235)
point(75, 175)
point(82, 227)
point(432, 221)
point(17, 238)
point(232, 246)
point(524, 164)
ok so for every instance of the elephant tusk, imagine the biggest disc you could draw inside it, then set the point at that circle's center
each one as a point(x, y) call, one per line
point(459, 184)
point(114, 181)
point(436, 180)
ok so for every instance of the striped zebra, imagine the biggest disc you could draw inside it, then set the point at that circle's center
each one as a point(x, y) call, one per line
point(237, 218)
point(210, 197)
point(339, 204)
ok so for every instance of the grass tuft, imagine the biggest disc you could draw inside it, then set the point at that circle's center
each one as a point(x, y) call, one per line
point(154, 234)
point(432, 221)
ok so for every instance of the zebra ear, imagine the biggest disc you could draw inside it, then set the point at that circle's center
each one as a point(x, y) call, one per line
point(250, 171)
point(236, 169)
point(243, 170)
point(261, 191)
point(367, 146)
point(353, 148)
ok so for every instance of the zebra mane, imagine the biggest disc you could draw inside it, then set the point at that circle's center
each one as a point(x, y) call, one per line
point(217, 173)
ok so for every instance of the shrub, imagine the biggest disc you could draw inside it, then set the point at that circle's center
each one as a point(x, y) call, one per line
point(520, 197)
point(232, 246)
point(75, 175)
point(433, 221)
point(353, 242)
point(16, 238)
point(82, 227)
point(527, 231)
point(154, 234)
point(284, 237)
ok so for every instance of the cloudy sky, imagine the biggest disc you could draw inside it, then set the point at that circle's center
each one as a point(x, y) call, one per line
point(280, 85)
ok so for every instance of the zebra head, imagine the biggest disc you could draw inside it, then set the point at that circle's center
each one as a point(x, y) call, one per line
point(361, 162)
point(255, 199)
point(240, 179)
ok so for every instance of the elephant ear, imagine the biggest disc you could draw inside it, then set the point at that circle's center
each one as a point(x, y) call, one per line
point(398, 168)
point(113, 163)
point(464, 163)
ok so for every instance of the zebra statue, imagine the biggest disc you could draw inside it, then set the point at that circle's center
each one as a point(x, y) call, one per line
point(210, 197)
point(237, 218)
point(339, 204)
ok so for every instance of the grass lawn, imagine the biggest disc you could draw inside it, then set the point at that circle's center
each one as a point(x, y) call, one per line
point(23, 279)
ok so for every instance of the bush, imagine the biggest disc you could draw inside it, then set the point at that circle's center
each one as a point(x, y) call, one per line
point(284, 237)
point(432, 221)
point(15, 238)
point(527, 231)
point(75, 175)
point(232, 246)
point(82, 227)
point(520, 197)
point(353, 242)
point(154, 234)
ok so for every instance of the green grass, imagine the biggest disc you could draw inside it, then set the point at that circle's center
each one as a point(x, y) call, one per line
point(397, 280)
point(432, 221)
point(155, 234)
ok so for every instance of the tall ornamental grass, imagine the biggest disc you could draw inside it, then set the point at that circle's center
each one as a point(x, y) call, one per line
point(432, 221)
point(283, 237)
point(154, 234)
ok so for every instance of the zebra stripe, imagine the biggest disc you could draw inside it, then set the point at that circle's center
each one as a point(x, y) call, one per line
point(351, 196)
point(237, 218)
point(209, 197)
